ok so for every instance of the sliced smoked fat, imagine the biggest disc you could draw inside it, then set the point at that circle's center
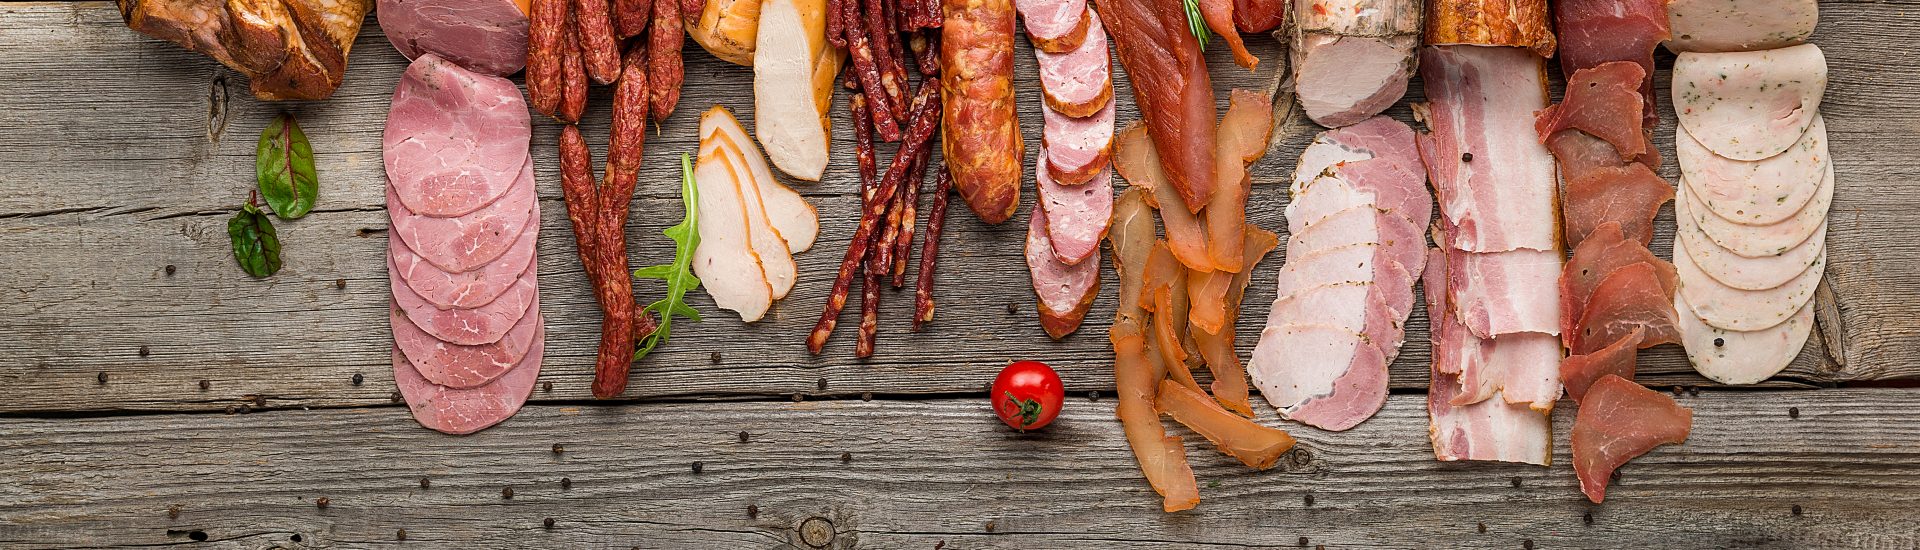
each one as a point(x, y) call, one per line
point(1749, 105)
point(1475, 421)
point(1078, 82)
point(467, 410)
point(469, 289)
point(455, 140)
point(1519, 23)
point(1057, 26)
point(1742, 356)
point(1756, 192)
point(1493, 178)
point(488, 36)
point(1065, 291)
point(472, 240)
point(1740, 25)
point(1352, 58)
point(458, 366)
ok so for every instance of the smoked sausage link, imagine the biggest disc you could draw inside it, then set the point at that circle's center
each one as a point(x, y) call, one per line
point(980, 136)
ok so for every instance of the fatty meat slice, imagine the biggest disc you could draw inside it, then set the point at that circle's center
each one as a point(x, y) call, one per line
point(1740, 25)
point(1749, 105)
point(1741, 272)
point(1756, 241)
point(458, 366)
point(468, 289)
point(1055, 25)
point(1077, 148)
point(1629, 300)
point(467, 410)
point(1519, 368)
point(1323, 376)
point(1327, 195)
point(1742, 357)
point(1619, 420)
point(1065, 291)
point(1756, 192)
point(455, 140)
point(1079, 82)
point(489, 36)
point(1597, 257)
point(1730, 308)
point(1493, 178)
point(1379, 137)
point(1076, 216)
point(1505, 292)
point(1396, 191)
point(472, 240)
point(470, 327)
point(1488, 427)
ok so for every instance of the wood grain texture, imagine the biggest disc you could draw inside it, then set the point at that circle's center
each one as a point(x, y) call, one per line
point(121, 156)
point(1836, 471)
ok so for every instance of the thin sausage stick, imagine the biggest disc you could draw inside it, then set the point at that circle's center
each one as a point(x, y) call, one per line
point(860, 46)
point(665, 70)
point(929, 250)
point(630, 17)
point(879, 30)
point(573, 77)
point(836, 29)
point(903, 246)
point(869, 312)
point(863, 143)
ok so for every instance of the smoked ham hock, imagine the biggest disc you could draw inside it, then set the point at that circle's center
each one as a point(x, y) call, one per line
point(289, 49)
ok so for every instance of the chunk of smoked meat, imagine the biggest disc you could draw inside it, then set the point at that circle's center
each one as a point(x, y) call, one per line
point(1593, 32)
point(1629, 194)
point(1171, 86)
point(1620, 420)
point(1603, 101)
point(1596, 258)
point(1579, 372)
point(1219, 17)
point(1253, 16)
point(1628, 300)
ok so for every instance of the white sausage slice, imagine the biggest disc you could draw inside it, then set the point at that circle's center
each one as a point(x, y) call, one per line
point(1739, 25)
point(1739, 271)
point(1749, 105)
point(1757, 241)
point(1742, 357)
point(1760, 192)
point(1725, 307)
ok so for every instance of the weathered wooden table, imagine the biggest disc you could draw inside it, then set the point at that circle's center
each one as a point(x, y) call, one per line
point(151, 393)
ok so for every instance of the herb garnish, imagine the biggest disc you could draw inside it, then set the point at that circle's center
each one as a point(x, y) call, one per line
point(679, 274)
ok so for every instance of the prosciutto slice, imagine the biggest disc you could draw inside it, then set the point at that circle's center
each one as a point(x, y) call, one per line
point(467, 410)
point(1628, 301)
point(1749, 105)
point(1742, 357)
point(1493, 178)
point(1603, 101)
point(455, 140)
point(1596, 32)
point(1464, 427)
point(1620, 420)
point(1599, 256)
point(1740, 25)
point(1065, 291)
point(1759, 192)
point(1579, 372)
point(1629, 194)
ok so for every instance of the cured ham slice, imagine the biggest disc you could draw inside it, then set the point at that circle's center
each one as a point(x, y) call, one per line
point(1595, 32)
point(1730, 308)
point(1596, 258)
point(1254, 16)
point(469, 289)
point(1603, 101)
point(455, 140)
point(1740, 25)
point(1620, 420)
point(467, 410)
point(1065, 291)
point(1760, 192)
point(1741, 272)
point(1056, 25)
point(1493, 178)
point(469, 241)
point(1628, 194)
point(477, 326)
point(1749, 105)
point(1756, 241)
point(488, 36)
point(1324, 197)
point(1077, 148)
point(1505, 292)
point(1320, 375)
point(1579, 372)
point(1518, 23)
point(1360, 307)
point(1629, 301)
point(1477, 427)
point(1079, 82)
point(1352, 58)
point(1173, 91)
point(1742, 357)
point(1076, 215)
point(458, 366)
point(1131, 234)
point(1518, 368)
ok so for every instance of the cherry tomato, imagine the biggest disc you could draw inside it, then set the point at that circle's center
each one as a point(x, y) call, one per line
point(1027, 395)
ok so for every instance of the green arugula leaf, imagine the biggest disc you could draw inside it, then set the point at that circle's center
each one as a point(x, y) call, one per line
point(283, 166)
point(256, 245)
point(679, 274)
point(1196, 23)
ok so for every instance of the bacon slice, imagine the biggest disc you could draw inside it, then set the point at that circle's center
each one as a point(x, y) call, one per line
point(1464, 428)
point(1505, 292)
point(1595, 32)
point(1171, 86)
point(1494, 180)
point(1749, 105)
point(1620, 420)
point(1596, 258)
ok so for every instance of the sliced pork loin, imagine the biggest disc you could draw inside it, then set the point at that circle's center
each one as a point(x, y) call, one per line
point(455, 139)
point(1056, 26)
point(1065, 291)
point(1076, 215)
point(1340, 380)
point(1493, 178)
point(467, 410)
point(1077, 148)
point(468, 289)
point(459, 366)
point(1742, 356)
point(1079, 82)
point(1352, 58)
point(1749, 105)
point(472, 240)
point(1620, 420)
point(467, 326)
point(1740, 25)
point(1476, 419)
point(488, 36)
point(1756, 192)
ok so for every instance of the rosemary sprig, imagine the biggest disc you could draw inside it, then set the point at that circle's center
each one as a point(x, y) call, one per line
point(1196, 23)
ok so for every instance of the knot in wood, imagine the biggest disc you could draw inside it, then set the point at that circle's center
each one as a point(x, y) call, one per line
point(816, 532)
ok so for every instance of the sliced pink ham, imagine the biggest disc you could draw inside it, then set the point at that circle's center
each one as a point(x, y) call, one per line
point(1352, 58)
point(1493, 178)
point(1079, 83)
point(1350, 263)
point(455, 140)
point(1401, 242)
point(468, 289)
point(1466, 427)
point(469, 327)
point(458, 366)
point(488, 36)
point(1377, 137)
point(1076, 215)
point(1505, 292)
point(1360, 307)
point(469, 241)
point(1620, 420)
point(464, 411)
point(1325, 196)
point(1076, 148)
point(1055, 25)
point(1065, 291)
point(1320, 375)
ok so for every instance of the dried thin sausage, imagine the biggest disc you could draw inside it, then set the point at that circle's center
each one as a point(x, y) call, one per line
point(665, 71)
point(547, 27)
point(573, 78)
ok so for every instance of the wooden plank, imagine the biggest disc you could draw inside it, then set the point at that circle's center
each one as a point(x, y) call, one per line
point(121, 156)
point(900, 474)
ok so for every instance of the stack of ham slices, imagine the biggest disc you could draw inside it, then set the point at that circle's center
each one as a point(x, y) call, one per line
point(1490, 285)
point(467, 328)
point(1359, 203)
point(1756, 186)
point(1071, 168)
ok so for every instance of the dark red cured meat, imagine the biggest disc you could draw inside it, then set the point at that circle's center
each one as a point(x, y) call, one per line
point(1619, 420)
point(455, 140)
point(468, 289)
point(464, 411)
point(1603, 101)
point(1596, 258)
point(630, 17)
point(469, 327)
point(1593, 32)
point(665, 69)
point(470, 241)
point(458, 366)
point(1579, 372)
point(488, 36)
point(1251, 16)
point(1628, 300)
point(1218, 15)
point(1601, 189)
point(1171, 86)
